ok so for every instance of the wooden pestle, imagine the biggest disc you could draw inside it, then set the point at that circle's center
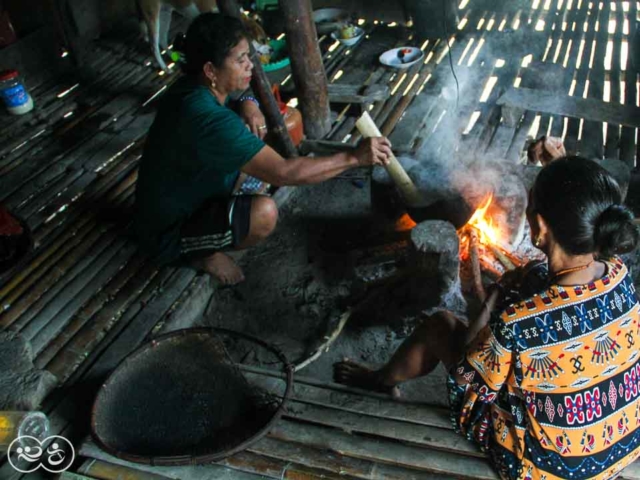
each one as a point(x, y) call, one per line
point(411, 195)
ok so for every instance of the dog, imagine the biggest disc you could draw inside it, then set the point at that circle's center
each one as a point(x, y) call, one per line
point(156, 18)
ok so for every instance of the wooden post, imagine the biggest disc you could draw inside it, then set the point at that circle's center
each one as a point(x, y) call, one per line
point(262, 88)
point(307, 68)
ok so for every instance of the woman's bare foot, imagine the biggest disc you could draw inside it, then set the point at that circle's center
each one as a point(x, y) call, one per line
point(222, 267)
point(356, 375)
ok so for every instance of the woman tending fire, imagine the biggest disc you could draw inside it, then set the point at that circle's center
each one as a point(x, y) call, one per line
point(546, 378)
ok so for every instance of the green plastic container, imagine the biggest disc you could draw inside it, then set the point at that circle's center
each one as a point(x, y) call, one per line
point(265, 4)
point(279, 48)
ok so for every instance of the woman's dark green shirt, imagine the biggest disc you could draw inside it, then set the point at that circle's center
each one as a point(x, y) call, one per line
point(194, 151)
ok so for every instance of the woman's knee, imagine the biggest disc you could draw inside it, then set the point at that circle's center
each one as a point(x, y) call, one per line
point(443, 322)
point(264, 215)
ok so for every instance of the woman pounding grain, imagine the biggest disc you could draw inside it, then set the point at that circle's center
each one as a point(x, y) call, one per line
point(199, 151)
point(547, 379)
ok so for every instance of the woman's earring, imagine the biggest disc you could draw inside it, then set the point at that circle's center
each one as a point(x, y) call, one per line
point(213, 83)
point(537, 242)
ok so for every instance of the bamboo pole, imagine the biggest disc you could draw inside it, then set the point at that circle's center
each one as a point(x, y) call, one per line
point(409, 191)
point(262, 88)
point(307, 69)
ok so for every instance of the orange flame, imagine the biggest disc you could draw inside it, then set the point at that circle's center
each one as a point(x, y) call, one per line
point(488, 233)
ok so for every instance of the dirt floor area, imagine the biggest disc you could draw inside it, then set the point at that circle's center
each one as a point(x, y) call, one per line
point(300, 282)
point(297, 284)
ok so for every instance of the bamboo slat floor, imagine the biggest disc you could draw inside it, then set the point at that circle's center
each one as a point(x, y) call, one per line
point(86, 297)
point(332, 431)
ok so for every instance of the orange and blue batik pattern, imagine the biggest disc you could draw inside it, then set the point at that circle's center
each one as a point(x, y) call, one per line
point(549, 389)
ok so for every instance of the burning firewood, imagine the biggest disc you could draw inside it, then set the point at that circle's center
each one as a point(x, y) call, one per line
point(475, 264)
point(489, 269)
point(502, 257)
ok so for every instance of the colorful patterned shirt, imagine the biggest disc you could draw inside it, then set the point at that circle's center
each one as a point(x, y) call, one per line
point(549, 389)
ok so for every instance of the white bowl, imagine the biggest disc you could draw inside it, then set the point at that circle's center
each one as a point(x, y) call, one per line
point(348, 41)
point(390, 57)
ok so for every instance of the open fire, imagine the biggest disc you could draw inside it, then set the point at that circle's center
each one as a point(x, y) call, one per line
point(490, 241)
point(482, 246)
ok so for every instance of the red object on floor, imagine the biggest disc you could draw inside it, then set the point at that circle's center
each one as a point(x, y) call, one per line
point(9, 225)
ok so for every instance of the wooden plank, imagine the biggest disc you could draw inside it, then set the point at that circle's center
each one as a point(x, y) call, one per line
point(357, 94)
point(73, 399)
point(92, 95)
point(588, 15)
point(109, 302)
point(20, 310)
point(35, 56)
point(34, 164)
point(383, 451)
point(591, 144)
point(136, 331)
point(314, 392)
point(202, 472)
point(334, 462)
point(612, 140)
point(47, 195)
point(189, 308)
point(323, 147)
point(490, 124)
point(52, 244)
point(628, 135)
point(384, 76)
point(386, 109)
point(292, 468)
point(102, 470)
point(413, 122)
point(83, 102)
point(48, 323)
point(104, 191)
point(424, 436)
point(552, 103)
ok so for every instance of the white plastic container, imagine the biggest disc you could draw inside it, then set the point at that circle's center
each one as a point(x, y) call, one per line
point(14, 94)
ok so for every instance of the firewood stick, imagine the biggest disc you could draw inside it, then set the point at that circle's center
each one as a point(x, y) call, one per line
point(492, 275)
point(517, 261)
point(411, 194)
point(474, 257)
point(489, 270)
point(324, 347)
point(502, 258)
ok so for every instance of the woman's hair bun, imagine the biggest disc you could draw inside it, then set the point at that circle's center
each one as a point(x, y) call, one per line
point(615, 231)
